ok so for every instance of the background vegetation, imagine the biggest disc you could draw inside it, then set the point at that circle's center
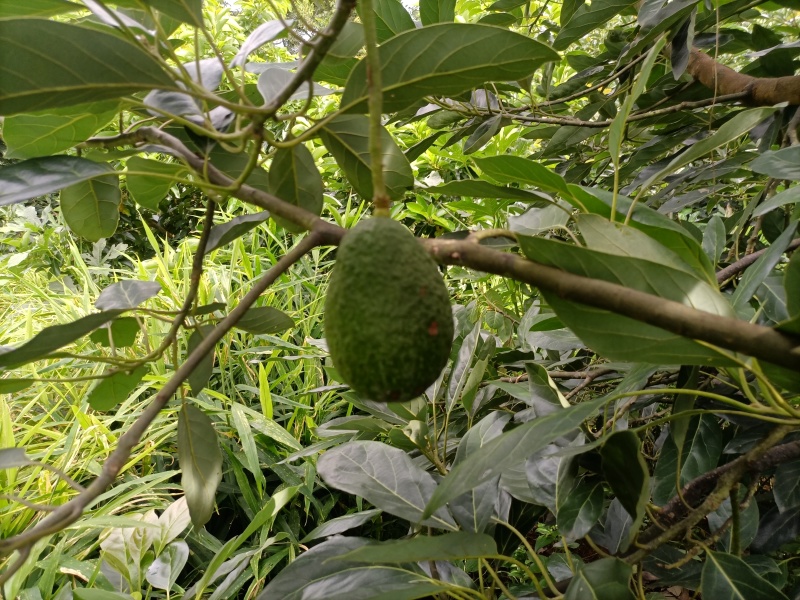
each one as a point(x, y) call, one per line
point(609, 188)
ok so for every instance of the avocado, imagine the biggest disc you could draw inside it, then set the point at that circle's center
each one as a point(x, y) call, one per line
point(388, 320)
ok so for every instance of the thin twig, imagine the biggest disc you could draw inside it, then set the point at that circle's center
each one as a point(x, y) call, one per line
point(744, 262)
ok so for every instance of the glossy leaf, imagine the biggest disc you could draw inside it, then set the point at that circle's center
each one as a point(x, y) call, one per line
point(341, 524)
point(457, 545)
point(128, 293)
point(163, 572)
point(580, 509)
point(445, 60)
point(91, 207)
point(40, 176)
point(347, 138)
point(588, 18)
point(477, 188)
point(43, 134)
point(728, 577)
point(318, 575)
point(54, 337)
point(202, 372)
point(391, 18)
point(606, 578)
point(68, 65)
point(787, 196)
point(272, 81)
point(787, 485)
point(263, 34)
point(225, 233)
point(149, 181)
point(780, 164)
point(517, 169)
point(509, 449)
point(200, 460)
point(294, 178)
point(385, 477)
point(115, 389)
point(262, 320)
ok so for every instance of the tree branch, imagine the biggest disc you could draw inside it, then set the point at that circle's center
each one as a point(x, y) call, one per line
point(744, 262)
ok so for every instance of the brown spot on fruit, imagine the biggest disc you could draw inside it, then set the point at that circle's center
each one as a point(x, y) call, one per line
point(433, 328)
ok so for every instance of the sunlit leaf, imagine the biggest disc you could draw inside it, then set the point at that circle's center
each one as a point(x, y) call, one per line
point(40, 176)
point(115, 389)
point(91, 207)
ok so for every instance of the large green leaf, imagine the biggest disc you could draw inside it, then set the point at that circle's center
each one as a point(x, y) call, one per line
point(347, 138)
point(588, 18)
point(517, 169)
point(728, 577)
point(202, 372)
point(49, 64)
point(780, 164)
point(54, 337)
point(35, 8)
point(385, 477)
point(294, 178)
point(39, 176)
point(43, 134)
point(188, 11)
point(604, 579)
point(318, 575)
point(235, 228)
point(625, 470)
point(457, 545)
point(128, 293)
point(91, 207)
point(509, 449)
point(148, 181)
point(618, 337)
point(391, 18)
point(200, 460)
point(445, 60)
point(579, 509)
point(260, 320)
point(476, 188)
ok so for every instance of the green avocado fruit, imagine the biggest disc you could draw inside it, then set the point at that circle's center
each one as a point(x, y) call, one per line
point(388, 320)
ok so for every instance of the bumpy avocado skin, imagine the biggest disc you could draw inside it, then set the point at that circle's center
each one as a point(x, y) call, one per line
point(388, 320)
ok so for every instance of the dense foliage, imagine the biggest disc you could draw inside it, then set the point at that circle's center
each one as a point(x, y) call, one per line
point(608, 189)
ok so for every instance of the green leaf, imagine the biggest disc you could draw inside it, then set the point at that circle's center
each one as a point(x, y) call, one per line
point(12, 386)
point(483, 134)
point(580, 509)
point(43, 134)
point(341, 524)
point(69, 64)
point(391, 18)
point(201, 462)
point(163, 572)
point(225, 233)
point(54, 337)
point(294, 178)
point(508, 450)
point(457, 545)
point(35, 8)
point(39, 176)
point(385, 477)
point(271, 82)
point(86, 594)
point(516, 169)
point(11, 458)
point(148, 181)
point(115, 389)
point(128, 293)
point(780, 164)
point(788, 196)
point(626, 471)
point(728, 577)
point(437, 11)
point(316, 575)
point(618, 337)
point(604, 579)
point(265, 320)
point(588, 18)
point(445, 60)
point(787, 485)
point(347, 138)
point(476, 188)
point(264, 33)
point(728, 132)
point(123, 333)
point(91, 207)
point(202, 372)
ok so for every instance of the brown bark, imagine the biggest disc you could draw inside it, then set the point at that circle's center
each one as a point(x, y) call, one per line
point(762, 91)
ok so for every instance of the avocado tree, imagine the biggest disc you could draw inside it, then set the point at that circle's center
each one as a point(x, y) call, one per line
point(626, 168)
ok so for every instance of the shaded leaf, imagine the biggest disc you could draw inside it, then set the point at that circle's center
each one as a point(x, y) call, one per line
point(448, 546)
point(445, 60)
point(115, 389)
point(605, 579)
point(477, 188)
point(588, 18)
point(54, 337)
point(40, 176)
point(509, 449)
point(787, 485)
point(580, 509)
point(272, 81)
point(437, 11)
point(188, 11)
point(128, 293)
point(728, 577)
point(391, 18)
point(261, 320)
point(200, 460)
point(294, 178)
point(35, 8)
point(347, 138)
point(91, 207)
point(69, 64)
point(148, 181)
point(225, 233)
point(385, 477)
point(780, 164)
point(120, 333)
point(341, 524)
point(202, 372)
point(625, 470)
point(11, 458)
